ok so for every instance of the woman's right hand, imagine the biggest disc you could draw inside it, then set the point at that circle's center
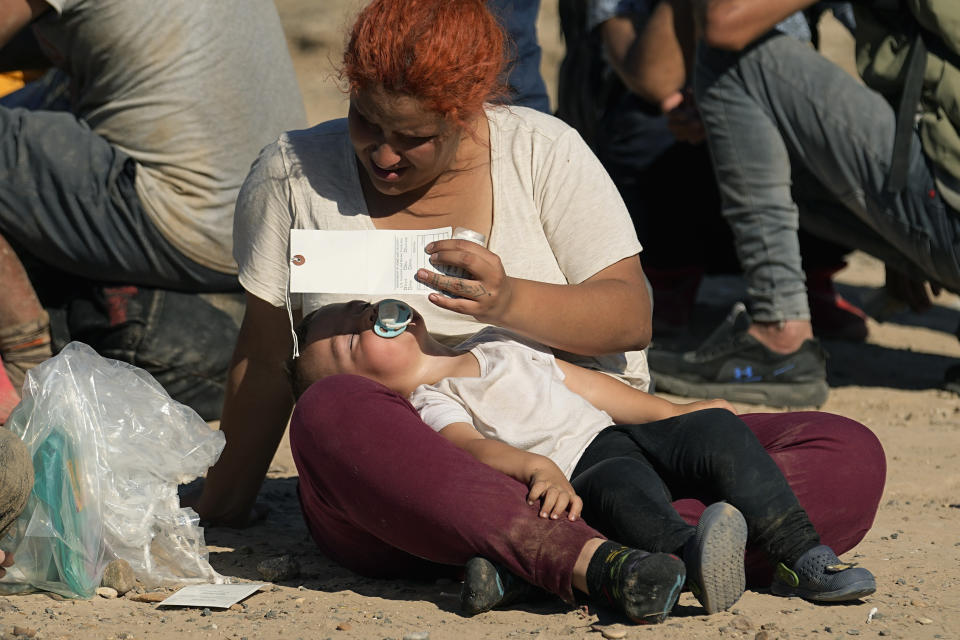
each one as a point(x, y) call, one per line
point(486, 297)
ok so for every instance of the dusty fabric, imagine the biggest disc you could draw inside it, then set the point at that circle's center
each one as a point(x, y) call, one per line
point(190, 90)
point(16, 478)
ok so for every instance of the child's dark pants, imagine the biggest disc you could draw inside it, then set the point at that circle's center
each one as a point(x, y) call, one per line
point(630, 474)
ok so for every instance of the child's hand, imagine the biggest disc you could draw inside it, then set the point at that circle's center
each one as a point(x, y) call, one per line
point(699, 405)
point(556, 494)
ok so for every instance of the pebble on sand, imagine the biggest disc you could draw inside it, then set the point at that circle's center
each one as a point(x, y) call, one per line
point(279, 569)
point(150, 596)
point(107, 592)
point(118, 575)
point(611, 632)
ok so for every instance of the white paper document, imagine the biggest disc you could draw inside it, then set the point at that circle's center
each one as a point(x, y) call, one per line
point(365, 262)
point(211, 596)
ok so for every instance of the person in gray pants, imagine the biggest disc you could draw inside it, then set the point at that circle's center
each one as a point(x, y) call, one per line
point(796, 141)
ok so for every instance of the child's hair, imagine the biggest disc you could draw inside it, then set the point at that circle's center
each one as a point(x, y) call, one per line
point(295, 374)
point(449, 54)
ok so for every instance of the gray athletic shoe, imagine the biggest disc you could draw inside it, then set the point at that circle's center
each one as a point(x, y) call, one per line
point(820, 576)
point(734, 365)
point(714, 557)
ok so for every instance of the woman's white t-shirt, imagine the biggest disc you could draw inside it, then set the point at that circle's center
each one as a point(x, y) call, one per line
point(558, 217)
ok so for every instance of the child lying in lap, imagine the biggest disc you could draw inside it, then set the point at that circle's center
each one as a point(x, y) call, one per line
point(586, 443)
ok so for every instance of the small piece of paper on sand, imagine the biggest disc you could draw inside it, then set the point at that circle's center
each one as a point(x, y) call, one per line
point(212, 596)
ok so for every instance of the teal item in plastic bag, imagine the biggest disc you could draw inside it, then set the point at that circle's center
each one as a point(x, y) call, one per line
point(55, 484)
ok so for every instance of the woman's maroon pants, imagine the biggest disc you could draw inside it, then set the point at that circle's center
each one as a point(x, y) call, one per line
point(385, 495)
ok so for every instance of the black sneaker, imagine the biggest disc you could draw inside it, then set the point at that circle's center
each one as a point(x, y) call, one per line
point(732, 364)
point(487, 585)
point(819, 575)
point(714, 557)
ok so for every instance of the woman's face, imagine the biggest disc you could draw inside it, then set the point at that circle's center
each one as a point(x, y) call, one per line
point(402, 146)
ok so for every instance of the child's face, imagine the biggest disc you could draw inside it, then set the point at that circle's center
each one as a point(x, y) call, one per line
point(341, 339)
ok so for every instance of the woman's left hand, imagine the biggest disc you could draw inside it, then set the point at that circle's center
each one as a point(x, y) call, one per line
point(485, 297)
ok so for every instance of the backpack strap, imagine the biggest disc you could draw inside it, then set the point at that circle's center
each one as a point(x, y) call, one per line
point(906, 114)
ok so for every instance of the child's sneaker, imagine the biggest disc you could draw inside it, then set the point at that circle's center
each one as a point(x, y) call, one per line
point(714, 557)
point(819, 575)
point(487, 585)
point(644, 586)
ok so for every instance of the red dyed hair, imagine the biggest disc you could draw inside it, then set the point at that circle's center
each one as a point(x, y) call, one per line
point(448, 54)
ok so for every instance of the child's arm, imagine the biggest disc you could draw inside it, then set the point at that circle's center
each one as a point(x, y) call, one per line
point(545, 479)
point(625, 404)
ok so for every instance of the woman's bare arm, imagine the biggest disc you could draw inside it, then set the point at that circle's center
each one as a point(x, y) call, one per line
point(255, 413)
point(606, 313)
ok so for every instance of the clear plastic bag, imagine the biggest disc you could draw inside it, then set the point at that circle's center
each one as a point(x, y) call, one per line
point(109, 448)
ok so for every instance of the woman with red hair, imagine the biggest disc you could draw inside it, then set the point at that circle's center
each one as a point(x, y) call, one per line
point(425, 145)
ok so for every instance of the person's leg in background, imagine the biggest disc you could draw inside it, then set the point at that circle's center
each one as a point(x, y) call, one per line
point(24, 324)
point(762, 139)
point(677, 193)
point(184, 340)
point(832, 316)
point(765, 110)
point(24, 329)
point(675, 209)
point(78, 214)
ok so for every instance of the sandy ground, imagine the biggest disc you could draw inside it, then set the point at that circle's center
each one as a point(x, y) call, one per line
point(889, 383)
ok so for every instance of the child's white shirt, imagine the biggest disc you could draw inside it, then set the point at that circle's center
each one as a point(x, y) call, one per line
point(519, 398)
